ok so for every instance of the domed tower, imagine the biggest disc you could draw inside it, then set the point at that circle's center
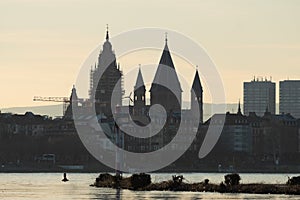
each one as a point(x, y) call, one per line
point(106, 81)
point(197, 97)
point(165, 89)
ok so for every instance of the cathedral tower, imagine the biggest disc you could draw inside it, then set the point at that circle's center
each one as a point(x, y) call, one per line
point(139, 95)
point(165, 89)
point(104, 79)
point(197, 96)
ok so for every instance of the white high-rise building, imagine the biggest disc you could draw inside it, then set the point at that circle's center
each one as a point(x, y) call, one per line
point(259, 96)
point(289, 97)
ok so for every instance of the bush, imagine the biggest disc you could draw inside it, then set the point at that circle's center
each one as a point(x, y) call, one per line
point(206, 181)
point(177, 179)
point(294, 180)
point(140, 180)
point(232, 179)
point(105, 177)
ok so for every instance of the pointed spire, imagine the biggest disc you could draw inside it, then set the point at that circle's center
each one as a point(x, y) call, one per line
point(166, 48)
point(166, 37)
point(107, 35)
point(239, 108)
point(197, 87)
point(139, 80)
point(73, 94)
point(163, 74)
point(166, 58)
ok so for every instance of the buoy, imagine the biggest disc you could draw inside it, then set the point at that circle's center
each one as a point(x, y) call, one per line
point(65, 177)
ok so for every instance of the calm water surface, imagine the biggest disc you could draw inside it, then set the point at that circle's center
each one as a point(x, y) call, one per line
point(16, 186)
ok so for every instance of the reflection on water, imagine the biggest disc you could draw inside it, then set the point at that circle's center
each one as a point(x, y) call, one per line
point(14, 186)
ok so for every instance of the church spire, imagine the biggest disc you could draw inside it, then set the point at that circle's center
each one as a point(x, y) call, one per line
point(166, 48)
point(166, 58)
point(166, 37)
point(239, 108)
point(139, 80)
point(165, 88)
point(107, 35)
point(139, 95)
point(73, 96)
point(197, 87)
point(163, 73)
point(197, 97)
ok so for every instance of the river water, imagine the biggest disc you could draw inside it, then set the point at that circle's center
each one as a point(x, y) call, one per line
point(14, 186)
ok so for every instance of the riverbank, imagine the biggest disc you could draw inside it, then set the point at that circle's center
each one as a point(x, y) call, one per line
point(48, 186)
point(178, 184)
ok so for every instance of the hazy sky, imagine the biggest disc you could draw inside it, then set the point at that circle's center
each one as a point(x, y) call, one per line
point(44, 42)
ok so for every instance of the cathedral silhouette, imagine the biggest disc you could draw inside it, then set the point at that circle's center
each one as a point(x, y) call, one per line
point(106, 87)
point(106, 92)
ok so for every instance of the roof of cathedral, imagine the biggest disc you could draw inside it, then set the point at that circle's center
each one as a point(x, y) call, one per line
point(107, 45)
point(107, 55)
point(166, 74)
point(166, 58)
point(197, 87)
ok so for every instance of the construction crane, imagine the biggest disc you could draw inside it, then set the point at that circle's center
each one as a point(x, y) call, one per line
point(87, 103)
point(64, 100)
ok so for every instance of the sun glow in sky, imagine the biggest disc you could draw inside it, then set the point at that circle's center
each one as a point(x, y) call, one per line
point(44, 42)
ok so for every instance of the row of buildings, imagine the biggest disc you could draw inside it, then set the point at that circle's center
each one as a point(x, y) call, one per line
point(258, 136)
point(270, 139)
point(247, 141)
point(30, 124)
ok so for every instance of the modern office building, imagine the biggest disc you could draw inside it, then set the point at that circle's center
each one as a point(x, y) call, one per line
point(259, 96)
point(289, 97)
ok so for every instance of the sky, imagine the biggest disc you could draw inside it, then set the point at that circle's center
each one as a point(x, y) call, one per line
point(43, 43)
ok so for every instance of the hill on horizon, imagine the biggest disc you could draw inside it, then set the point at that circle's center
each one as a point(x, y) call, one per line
point(57, 110)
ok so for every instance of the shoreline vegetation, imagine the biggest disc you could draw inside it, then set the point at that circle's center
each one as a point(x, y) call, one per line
point(230, 184)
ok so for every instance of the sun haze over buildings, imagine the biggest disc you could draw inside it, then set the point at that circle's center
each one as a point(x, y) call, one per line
point(43, 43)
